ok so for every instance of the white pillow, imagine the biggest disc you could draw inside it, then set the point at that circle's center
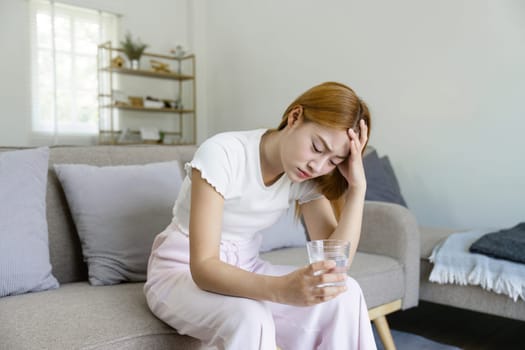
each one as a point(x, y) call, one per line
point(118, 211)
point(24, 250)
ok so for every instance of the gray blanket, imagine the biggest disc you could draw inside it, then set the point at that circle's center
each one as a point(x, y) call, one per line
point(506, 244)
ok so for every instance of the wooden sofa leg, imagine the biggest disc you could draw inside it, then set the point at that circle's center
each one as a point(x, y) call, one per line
point(378, 316)
point(384, 333)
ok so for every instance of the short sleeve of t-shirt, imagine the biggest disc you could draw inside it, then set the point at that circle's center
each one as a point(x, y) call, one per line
point(305, 192)
point(211, 159)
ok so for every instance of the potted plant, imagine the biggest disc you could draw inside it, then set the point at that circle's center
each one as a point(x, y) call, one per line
point(133, 49)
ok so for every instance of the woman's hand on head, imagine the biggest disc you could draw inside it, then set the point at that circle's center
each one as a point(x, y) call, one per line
point(301, 287)
point(352, 167)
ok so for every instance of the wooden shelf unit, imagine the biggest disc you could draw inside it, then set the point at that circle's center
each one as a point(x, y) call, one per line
point(112, 121)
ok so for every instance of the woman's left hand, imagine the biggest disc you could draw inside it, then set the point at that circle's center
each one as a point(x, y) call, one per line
point(352, 167)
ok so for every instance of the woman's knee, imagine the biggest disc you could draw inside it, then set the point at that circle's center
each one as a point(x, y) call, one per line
point(352, 286)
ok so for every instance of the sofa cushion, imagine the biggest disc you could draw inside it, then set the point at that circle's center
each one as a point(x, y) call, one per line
point(382, 184)
point(80, 316)
point(288, 231)
point(24, 250)
point(118, 210)
point(380, 277)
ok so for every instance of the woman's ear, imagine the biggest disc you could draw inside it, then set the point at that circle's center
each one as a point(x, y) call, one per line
point(295, 116)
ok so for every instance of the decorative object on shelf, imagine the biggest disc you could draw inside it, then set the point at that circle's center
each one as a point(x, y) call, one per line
point(149, 134)
point(160, 67)
point(133, 49)
point(179, 51)
point(152, 102)
point(136, 101)
point(178, 103)
point(120, 98)
point(117, 62)
point(128, 136)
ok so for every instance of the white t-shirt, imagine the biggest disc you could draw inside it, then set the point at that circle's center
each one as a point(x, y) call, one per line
point(230, 163)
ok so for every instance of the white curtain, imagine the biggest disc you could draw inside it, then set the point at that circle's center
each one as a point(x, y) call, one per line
point(64, 41)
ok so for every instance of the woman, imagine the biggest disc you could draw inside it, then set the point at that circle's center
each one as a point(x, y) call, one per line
point(205, 277)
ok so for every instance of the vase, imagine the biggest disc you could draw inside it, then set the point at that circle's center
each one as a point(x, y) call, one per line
point(135, 64)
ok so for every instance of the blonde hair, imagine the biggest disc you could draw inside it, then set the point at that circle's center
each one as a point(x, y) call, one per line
point(337, 106)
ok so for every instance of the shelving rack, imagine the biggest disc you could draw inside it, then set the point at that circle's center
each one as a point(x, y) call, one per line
point(110, 119)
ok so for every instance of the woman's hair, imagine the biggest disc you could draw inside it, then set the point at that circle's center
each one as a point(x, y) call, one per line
point(337, 106)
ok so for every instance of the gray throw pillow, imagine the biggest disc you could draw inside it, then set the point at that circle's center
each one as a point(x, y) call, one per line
point(118, 210)
point(382, 184)
point(24, 250)
point(286, 232)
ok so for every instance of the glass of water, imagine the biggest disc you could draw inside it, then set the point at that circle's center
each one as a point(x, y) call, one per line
point(330, 249)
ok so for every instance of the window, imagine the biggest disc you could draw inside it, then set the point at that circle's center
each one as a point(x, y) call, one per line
point(64, 41)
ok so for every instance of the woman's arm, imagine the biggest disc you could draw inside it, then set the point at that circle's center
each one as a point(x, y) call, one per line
point(320, 220)
point(318, 214)
point(207, 270)
point(351, 220)
point(211, 274)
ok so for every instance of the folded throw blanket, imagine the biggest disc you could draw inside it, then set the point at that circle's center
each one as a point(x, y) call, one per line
point(506, 244)
point(453, 263)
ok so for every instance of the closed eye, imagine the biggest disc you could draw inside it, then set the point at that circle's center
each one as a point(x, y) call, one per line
point(315, 148)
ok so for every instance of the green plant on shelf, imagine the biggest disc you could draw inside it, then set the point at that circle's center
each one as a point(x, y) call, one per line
point(133, 49)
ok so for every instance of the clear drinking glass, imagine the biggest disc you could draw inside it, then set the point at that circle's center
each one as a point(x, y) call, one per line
point(330, 249)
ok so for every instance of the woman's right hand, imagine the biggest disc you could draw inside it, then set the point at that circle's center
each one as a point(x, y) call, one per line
point(301, 287)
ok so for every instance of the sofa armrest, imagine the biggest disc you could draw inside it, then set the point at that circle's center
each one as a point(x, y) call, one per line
point(392, 230)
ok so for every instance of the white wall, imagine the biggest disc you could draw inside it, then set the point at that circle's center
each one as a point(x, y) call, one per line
point(445, 81)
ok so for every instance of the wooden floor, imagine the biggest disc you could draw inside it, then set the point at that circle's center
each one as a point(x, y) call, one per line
point(467, 330)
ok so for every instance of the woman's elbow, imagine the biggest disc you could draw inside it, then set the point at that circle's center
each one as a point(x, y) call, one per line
point(198, 271)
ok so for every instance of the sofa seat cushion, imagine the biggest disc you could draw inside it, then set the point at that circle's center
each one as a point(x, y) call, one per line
point(380, 277)
point(80, 316)
point(468, 297)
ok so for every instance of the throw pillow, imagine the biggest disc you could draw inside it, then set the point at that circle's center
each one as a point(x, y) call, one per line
point(24, 250)
point(118, 210)
point(382, 184)
point(288, 231)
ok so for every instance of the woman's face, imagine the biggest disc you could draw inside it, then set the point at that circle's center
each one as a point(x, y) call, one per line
point(311, 150)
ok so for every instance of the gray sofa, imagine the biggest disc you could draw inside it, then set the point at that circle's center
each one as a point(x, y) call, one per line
point(472, 298)
point(80, 316)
